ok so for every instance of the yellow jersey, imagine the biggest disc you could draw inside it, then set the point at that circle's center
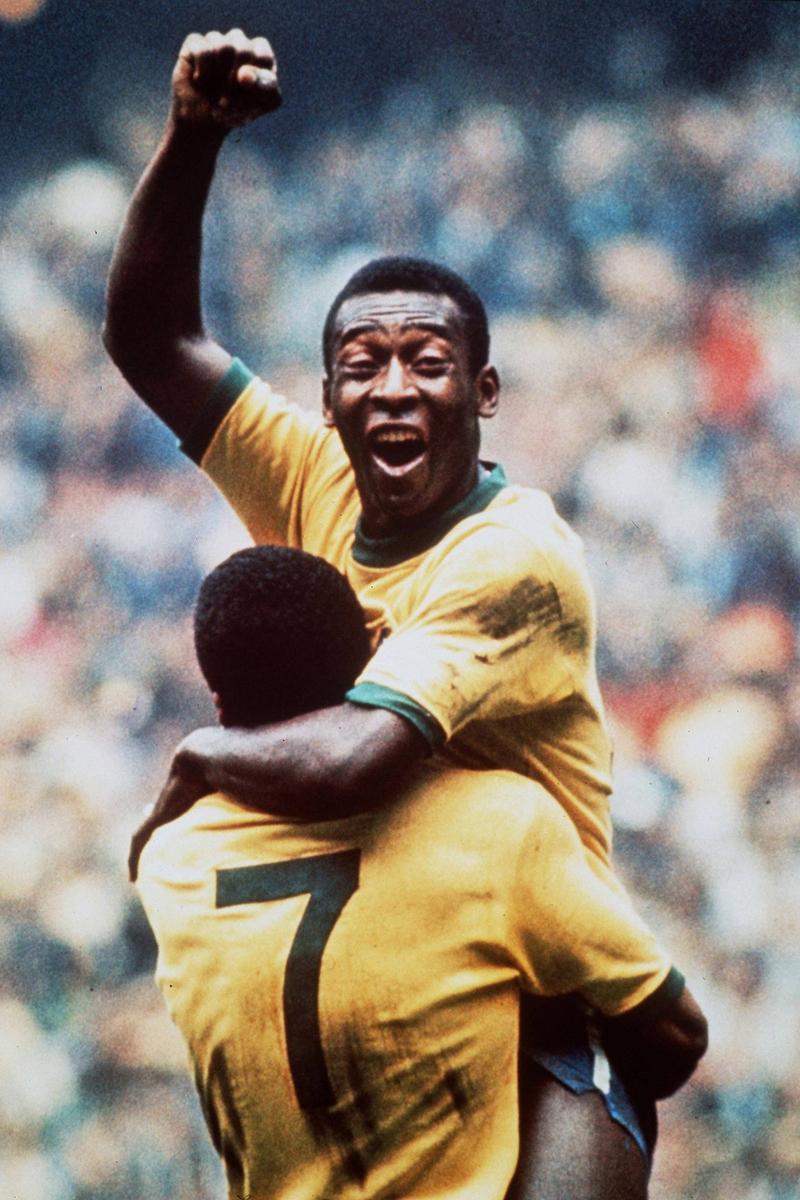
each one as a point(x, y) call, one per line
point(349, 990)
point(489, 609)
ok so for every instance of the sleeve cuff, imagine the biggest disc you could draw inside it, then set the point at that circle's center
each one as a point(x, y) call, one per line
point(215, 409)
point(654, 1005)
point(374, 695)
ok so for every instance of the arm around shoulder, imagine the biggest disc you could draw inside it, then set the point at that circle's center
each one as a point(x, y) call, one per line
point(324, 765)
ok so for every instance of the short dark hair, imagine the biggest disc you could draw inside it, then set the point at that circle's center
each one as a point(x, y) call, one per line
point(277, 632)
point(403, 274)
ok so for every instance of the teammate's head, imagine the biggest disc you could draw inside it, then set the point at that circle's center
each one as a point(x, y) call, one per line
point(403, 274)
point(277, 632)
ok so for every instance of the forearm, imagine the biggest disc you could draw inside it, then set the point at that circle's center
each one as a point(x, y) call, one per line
point(153, 298)
point(323, 765)
point(154, 326)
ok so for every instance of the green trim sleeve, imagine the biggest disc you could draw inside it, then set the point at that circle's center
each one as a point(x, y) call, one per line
point(374, 695)
point(656, 1003)
point(215, 409)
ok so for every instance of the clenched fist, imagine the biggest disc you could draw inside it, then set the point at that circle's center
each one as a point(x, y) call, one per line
point(224, 80)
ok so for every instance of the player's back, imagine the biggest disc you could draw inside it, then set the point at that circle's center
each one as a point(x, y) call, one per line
point(345, 988)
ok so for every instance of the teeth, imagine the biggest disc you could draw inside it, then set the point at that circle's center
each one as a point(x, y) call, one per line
point(397, 447)
point(397, 435)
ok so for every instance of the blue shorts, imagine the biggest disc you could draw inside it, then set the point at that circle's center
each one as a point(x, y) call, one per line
point(560, 1037)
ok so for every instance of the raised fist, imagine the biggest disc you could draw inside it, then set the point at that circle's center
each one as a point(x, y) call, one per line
point(224, 80)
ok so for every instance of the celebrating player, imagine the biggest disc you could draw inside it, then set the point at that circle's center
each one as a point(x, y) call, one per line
point(479, 585)
point(348, 990)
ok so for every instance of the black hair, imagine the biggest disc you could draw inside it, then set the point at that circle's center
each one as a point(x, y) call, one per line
point(404, 274)
point(277, 632)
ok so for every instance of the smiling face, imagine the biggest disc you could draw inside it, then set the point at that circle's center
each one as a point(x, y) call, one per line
point(406, 404)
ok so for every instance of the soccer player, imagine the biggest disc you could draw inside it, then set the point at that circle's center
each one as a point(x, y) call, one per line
point(348, 989)
point(476, 592)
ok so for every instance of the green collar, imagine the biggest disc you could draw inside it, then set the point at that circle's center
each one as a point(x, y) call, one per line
point(397, 547)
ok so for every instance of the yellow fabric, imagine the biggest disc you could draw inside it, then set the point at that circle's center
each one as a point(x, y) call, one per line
point(469, 884)
point(492, 629)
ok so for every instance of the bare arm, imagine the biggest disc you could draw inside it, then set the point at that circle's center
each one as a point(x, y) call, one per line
point(154, 327)
point(657, 1054)
point(323, 765)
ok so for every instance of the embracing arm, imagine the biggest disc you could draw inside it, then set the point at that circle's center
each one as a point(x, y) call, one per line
point(320, 766)
point(154, 328)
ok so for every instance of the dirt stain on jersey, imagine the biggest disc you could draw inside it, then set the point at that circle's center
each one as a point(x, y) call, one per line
point(349, 1126)
point(452, 1082)
point(216, 1092)
point(530, 606)
point(573, 636)
point(332, 1126)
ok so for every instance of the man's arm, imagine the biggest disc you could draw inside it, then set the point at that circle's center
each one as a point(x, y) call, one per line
point(320, 766)
point(154, 328)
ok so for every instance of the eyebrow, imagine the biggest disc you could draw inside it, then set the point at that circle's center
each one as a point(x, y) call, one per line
point(424, 324)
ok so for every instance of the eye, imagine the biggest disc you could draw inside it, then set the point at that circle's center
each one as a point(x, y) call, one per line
point(359, 368)
point(431, 364)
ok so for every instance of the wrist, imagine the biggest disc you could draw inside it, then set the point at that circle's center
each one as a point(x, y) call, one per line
point(195, 136)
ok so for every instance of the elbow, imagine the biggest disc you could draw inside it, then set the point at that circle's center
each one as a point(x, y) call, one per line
point(144, 359)
point(108, 338)
point(119, 348)
point(369, 773)
point(690, 1040)
point(137, 341)
point(111, 343)
point(348, 786)
point(349, 783)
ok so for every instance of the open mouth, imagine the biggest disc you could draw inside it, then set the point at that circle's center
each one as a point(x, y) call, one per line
point(397, 447)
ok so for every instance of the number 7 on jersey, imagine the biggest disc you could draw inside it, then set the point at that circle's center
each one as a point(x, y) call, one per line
point(329, 880)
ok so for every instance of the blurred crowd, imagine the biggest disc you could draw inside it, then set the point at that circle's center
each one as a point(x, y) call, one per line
point(640, 264)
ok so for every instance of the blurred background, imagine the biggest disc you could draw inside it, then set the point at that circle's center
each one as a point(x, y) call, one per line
point(621, 182)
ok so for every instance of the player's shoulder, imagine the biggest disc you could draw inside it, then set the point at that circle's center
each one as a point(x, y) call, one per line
point(244, 407)
point(258, 395)
point(532, 514)
point(519, 535)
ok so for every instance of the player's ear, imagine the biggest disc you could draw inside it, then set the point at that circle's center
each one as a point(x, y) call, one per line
point(487, 384)
point(327, 409)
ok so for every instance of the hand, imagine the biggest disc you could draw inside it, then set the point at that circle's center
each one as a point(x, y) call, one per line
point(224, 81)
point(177, 795)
